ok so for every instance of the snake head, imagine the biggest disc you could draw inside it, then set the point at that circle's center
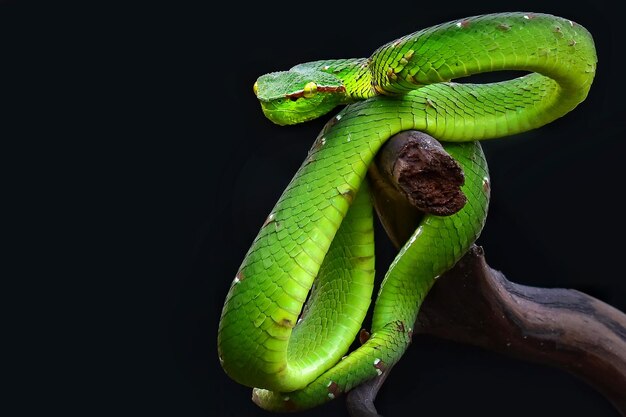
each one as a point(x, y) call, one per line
point(295, 96)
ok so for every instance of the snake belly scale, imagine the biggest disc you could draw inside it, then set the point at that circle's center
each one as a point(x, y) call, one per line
point(305, 285)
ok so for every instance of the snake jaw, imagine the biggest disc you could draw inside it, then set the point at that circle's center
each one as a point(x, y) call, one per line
point(296, 108)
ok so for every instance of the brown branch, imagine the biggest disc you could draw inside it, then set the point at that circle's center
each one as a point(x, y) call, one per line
point(360, 401)
point(417, 165)
point(476, 305)
point(414, 175)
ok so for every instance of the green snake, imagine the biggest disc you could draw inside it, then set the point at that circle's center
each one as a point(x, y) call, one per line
point(305, 285)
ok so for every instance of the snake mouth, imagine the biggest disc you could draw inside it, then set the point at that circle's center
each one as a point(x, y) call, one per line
point(294, 109)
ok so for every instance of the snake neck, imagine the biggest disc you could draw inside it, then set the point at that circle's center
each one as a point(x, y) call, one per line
point(534, 42)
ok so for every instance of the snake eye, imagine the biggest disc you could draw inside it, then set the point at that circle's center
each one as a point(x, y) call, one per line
point(309, 89)
point(255, 88)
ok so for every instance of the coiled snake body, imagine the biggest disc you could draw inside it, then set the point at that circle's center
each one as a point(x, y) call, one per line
point(317, 245)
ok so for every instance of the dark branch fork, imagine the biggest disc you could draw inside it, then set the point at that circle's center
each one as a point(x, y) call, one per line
point(475, 304)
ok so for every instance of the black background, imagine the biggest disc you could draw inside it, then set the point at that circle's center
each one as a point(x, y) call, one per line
point(187, 169)
point(554, 216)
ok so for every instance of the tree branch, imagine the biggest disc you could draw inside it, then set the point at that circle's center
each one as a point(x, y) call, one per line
point(475, 304)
